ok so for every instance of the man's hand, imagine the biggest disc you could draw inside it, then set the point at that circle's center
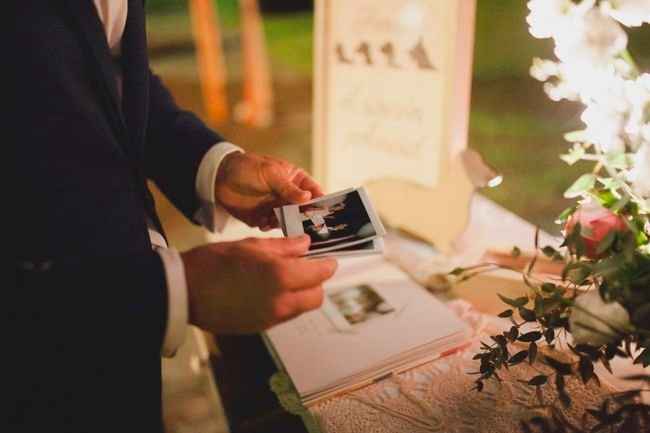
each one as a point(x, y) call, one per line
point(249, 186)
point(253, 284)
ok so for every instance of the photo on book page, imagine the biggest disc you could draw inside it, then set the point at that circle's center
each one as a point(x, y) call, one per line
point(359, 304)
point(334, 222)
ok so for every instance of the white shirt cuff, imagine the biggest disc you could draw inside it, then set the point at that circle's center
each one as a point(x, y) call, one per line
point(210, 215)
point(177, 308)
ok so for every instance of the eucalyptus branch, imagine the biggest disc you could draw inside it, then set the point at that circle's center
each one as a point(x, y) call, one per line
point(614, 174)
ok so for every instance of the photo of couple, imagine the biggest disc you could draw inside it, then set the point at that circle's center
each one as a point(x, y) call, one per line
point(344, 221)
point(336, 220)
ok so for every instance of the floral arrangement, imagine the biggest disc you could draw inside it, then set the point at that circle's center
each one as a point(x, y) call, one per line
point(599, 308)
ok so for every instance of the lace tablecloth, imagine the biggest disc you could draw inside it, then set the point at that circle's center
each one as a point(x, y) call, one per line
point(438, 396)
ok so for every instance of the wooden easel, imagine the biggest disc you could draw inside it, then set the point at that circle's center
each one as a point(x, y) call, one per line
point(209, 54)
point(256, 108)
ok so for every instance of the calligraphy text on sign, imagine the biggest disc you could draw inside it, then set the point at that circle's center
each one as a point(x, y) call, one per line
point(390, 125)
point(379, 96)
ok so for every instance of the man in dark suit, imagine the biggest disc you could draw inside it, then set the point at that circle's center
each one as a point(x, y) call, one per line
point(94, 295)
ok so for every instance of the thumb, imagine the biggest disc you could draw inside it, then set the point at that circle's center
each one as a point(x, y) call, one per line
point(292, 247)
point(286, 190)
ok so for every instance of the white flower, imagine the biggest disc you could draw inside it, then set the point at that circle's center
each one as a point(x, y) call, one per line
point(598, 85)
point(542, 69)
point(575, 80)
point(645, 132)
point(592, 319)
point(604, 127)
point(639, 176)
point(549, 18)
point(595, 40)
point(561, 90)
point(637, 93)
point(630, 13)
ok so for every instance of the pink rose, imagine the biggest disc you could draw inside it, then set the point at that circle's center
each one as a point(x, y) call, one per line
point(596, 222)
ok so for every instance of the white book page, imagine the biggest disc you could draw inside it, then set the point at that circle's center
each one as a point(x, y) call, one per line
point(372, 312)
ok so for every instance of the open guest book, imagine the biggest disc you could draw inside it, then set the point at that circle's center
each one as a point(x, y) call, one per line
point(375, 322)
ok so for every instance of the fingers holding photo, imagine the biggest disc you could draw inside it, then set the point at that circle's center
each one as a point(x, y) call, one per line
point(305, 182)
point(280, 177)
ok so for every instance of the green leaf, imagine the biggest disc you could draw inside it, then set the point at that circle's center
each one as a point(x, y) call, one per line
point(576, 153)
point(620, 204)
point(513, 333)
point(518, 357)
point(609, 267)
point(539, 306)
point(505, 314)
point(530, 336)
point(559, 367)
point(549, 335)
point(641, 315)
point(588, 350)
point(500, 340)
point(608, 196)
point(457, 272)
point(576, 272)
point(561, 391)
point(607, 242)
point(532, 353)
point(517, 303)
point(549, 287)
point(527, 314)
point(581, 186)
point(549, 251)
point(538, 380)
point(576, 136)
point(643, 358)
point(617, 160)
point(566, 213)
point(586, 369)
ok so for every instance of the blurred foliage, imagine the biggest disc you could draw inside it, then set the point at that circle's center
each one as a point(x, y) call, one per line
point(228, 9)
point(498, 24)
point(164, 5)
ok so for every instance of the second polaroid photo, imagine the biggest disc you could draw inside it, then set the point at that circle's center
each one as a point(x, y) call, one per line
point(334, 222)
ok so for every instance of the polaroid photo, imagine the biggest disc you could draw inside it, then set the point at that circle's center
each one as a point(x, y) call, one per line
point(375, 246)
point(278, 215)
point(335, 222)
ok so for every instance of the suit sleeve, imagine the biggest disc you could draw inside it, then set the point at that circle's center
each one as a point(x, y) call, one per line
point(176, 142)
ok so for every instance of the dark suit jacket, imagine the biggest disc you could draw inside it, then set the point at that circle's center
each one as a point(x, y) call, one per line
point(87, 299)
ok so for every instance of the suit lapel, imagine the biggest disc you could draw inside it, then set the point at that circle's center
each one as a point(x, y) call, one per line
point(135, 69)
point(85, 16)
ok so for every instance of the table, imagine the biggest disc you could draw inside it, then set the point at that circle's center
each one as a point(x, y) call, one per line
point(243, 368)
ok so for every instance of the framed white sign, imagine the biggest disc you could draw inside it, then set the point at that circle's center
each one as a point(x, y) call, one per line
point(392, 94)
